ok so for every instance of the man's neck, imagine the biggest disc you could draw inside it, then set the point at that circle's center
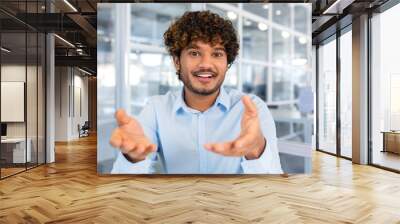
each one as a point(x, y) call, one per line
point(199, 102)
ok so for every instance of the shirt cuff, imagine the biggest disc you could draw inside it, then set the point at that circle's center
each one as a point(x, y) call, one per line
point(267, 163)
point(124, 166)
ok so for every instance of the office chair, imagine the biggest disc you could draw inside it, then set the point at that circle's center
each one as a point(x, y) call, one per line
point(84, 130)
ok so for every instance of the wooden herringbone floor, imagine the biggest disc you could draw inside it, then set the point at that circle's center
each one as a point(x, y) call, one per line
point(70, 191)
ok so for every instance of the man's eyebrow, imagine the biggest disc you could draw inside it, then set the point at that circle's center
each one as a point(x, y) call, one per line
point(219, 48)
point(192, 46)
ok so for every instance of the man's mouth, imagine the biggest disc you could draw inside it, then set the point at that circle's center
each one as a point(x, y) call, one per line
point(204, 77)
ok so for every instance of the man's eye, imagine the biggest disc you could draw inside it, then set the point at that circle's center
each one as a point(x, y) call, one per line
point(218, 54)
point(194, 53)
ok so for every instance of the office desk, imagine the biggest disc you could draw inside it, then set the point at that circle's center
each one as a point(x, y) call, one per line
point(294, 117)
point(391, 141)
point(13, 150)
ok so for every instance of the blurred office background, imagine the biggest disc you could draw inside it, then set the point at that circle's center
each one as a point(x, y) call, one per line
point(274, 63)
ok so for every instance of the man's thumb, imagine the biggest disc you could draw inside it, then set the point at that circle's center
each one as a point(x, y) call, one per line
point(249, 107)
point(121, 117)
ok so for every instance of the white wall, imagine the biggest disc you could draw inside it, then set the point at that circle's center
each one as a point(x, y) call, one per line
point(12, 73)
point(62, 81)
point(70, 83)
point(33, 126)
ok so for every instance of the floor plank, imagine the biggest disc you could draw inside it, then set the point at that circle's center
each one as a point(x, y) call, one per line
point(70, 191)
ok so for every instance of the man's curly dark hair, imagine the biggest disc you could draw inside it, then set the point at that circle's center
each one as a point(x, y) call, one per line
point(205, 26)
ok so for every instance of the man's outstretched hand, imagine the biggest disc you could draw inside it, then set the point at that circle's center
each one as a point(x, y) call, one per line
point(130, 138)
point(250, 143)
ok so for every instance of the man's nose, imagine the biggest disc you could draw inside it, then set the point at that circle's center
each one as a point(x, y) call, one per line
point(206, 62)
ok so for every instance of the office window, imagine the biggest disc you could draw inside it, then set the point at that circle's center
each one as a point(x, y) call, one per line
point(106, 80)
point(282, 84)
point(259, 9)
point(301, 51)
point(231, 78)
point(385, 89)
point(282, 14)
point(150, 74)
point(147, 24)
point(255, 80)
point(281, 51)
point(255, 40)
point(226, 13)
point(106, 70)
point(346, 94)
point(301, 18)
point(327, 96)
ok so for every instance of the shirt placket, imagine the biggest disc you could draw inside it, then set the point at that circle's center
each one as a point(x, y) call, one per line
point(200, 142)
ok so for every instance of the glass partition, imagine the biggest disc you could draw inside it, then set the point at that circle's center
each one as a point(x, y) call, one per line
point(31, 98)
point(346, 94)
point(14, 146)
point(41, 106)
point(22, 90)
point(327, 96)
point(385, 89)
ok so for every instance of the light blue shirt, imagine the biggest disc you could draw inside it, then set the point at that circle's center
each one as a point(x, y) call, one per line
point(180, 133)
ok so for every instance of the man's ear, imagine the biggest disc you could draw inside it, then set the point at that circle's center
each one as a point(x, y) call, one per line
point(176, 63)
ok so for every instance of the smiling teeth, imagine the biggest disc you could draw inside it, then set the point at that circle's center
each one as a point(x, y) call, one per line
point(205, 76)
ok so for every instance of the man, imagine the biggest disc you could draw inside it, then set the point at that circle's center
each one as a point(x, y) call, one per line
point(202, 128)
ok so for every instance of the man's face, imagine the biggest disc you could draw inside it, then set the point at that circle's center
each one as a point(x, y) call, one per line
point(202, 67)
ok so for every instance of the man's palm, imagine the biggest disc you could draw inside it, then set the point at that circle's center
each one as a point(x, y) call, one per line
point(250, 139)
point(130, 138)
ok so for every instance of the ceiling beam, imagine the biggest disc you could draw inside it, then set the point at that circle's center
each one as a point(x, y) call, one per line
point(81, 61)
point(86, 26)
point(337, 7)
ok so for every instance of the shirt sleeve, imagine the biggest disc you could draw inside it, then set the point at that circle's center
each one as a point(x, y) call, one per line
point(148, 121)
point(269, 161)
point(124, 166)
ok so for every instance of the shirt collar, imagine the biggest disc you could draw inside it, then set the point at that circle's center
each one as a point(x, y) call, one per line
point(179, 102)
point(222, 100)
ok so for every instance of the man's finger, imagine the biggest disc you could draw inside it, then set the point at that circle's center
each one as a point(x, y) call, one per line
point(218, 148)
point(150, 148)
point(209, 146)
point(249, 107)
point(222, 147)
point(225, 148)
point(121, 117)
point(116, 138)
